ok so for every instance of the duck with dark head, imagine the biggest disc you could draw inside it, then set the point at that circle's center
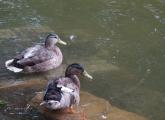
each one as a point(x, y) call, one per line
point(64, 92)
point(38, 58)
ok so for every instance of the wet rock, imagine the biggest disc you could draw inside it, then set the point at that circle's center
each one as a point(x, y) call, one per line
point(144, 102)
point(4, 117)
point(22, 85)
point(19, 93)
point(34, 80)
point(91, 108)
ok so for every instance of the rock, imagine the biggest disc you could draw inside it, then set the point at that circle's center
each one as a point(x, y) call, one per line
point(22, 84)
point(91, 108)
point(4, 117)
point(38, 79)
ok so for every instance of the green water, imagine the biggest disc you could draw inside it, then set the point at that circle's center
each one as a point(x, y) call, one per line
point(122, 39)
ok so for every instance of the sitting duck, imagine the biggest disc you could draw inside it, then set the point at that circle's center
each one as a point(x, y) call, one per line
point(38, 58)
point(63, 92)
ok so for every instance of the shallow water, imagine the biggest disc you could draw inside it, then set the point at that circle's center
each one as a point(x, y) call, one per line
point(120, 42)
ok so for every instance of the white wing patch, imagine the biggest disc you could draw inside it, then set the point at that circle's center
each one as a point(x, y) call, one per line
point(65, 89)
point(12, 68)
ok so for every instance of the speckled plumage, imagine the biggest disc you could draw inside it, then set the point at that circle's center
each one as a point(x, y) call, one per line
point(66, 99)
point(38, 58)
point(63, 92)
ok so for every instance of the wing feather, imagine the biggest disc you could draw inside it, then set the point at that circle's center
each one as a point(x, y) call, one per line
point(34, 55)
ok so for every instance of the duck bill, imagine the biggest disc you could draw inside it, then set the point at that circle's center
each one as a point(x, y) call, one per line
point(62, 42)
point(87, 75)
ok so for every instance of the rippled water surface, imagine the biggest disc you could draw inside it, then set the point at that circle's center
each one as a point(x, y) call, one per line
point(121, 43)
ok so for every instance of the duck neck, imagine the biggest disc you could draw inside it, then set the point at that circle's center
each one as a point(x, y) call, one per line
point(49, 46)
point(75, 79)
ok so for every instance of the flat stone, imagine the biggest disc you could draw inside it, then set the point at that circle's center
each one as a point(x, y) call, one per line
point(91, 108)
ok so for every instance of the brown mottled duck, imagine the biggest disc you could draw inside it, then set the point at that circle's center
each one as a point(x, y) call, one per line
point(63, 92)
point(38, 58)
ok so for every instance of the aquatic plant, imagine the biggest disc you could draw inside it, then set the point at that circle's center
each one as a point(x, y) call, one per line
point(2, 103)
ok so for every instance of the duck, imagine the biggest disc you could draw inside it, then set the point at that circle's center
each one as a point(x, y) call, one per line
point(63, 93)
point(39, 58)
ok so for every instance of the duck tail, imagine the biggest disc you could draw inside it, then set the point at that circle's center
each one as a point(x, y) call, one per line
point(51, 104)
point(10, 67)
point(42, 103)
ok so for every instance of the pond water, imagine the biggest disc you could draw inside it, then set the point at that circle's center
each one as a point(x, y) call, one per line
point(120, 42)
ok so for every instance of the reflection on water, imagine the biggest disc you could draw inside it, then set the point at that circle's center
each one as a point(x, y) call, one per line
point(120, 41)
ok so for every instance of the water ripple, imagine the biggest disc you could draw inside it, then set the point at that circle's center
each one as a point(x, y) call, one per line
point(156, 12)
point(10, 14)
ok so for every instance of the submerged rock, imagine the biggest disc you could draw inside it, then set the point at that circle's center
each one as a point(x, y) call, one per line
point(4, 117)
point(91, 108)
point(17, 85)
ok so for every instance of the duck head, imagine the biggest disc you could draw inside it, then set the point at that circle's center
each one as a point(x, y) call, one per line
point(52, 39)
point(77, 69)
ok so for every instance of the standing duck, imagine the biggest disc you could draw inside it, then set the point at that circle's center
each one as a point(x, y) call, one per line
point(63, 92)
point(38, 58)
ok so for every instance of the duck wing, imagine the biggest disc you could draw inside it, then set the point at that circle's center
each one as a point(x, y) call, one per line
point(52, 91)
point(69, 87)
point(20, 61)
point(63, 91)
point(29, 52)
point(34, 55)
